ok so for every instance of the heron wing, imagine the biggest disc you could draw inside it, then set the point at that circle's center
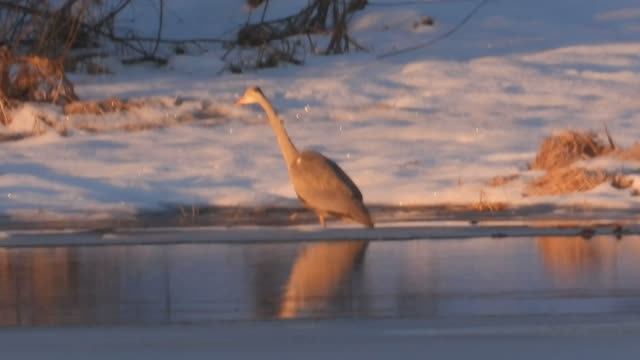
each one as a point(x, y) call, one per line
point(322, 184)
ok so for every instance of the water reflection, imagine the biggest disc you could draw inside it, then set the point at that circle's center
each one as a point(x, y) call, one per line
point(318, 274)
point(195, 283)
point(574, 261)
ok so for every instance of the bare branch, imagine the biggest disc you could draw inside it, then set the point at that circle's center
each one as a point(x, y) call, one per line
point(442, 36)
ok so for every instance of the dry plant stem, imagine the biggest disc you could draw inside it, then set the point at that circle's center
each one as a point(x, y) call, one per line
point(611, 143)
point(5, 119)
point(68, 25)
point(484, 204)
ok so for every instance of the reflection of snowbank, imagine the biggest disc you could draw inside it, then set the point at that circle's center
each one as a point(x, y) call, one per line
point(429, 279)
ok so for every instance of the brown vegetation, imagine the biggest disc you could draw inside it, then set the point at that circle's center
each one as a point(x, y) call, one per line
point(484, 204)
point(566, 180)
point(100, 107)
point(559, 152)
point(31, 78)
point(501, 180)
point(567, 147)
point(621, 182)
point(631, 153)
point(39, 79)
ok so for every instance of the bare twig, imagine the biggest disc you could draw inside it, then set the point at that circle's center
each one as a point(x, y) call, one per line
point(442, 36)
point(112, 14)
point(160, 25)
point(606, 131)
point(4, 114)
point(414, 2)
point(311, 19)
point(170, 40)
point(264, 11)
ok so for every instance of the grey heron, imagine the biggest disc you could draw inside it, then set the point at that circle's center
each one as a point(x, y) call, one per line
point(321, 185)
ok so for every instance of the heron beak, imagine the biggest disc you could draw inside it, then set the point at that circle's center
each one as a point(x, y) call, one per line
point(240, 101)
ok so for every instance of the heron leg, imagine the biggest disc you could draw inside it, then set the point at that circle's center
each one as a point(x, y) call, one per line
point(321, 219)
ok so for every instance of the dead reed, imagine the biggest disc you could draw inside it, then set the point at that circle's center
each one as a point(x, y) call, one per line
point(567, 147)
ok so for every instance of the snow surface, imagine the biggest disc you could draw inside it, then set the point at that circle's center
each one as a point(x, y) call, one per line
point(427, 127)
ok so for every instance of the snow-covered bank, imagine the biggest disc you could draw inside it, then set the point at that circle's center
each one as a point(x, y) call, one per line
point(413, 130)
point(452, 230)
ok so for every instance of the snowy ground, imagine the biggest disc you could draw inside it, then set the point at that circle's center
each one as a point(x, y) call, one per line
point(425, 128)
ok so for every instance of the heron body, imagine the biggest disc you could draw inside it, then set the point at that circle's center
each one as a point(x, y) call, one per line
point(320, 183)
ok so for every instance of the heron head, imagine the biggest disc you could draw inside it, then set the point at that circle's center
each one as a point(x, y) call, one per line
point(252, 95)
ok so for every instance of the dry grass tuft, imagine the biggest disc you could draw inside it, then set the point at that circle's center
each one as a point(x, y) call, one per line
point(35, 78)
point(556, 155)
point(31, 78)
point(501, 180)
point(97, 129)
point(621, 182)
point(563, 149)
point(5, 106)
point(631, 153)
point(100, 107)
point(485, 204)
point(566, 180)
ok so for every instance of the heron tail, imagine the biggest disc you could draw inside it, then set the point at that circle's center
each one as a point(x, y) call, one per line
point(359, 213)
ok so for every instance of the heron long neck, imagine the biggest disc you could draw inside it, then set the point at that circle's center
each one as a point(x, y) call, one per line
point(289, 151)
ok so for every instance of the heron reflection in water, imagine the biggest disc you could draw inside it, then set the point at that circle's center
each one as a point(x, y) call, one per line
point(317, 275)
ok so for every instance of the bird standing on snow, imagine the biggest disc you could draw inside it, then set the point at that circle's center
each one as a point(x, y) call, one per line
point(320, 183)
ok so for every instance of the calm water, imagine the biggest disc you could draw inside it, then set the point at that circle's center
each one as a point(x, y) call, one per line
point(419, 278)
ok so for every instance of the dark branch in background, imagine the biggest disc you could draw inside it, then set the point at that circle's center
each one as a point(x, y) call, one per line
point(48, 31)
point(340, 38)
point(442, 36)
point(159, 33)
point(65, 29)
point(72, 26)
point(273, 42)
point(264, 11)
point(169, 40)
point(414, 2)
point(151, 55)
point(112, 14)
point(309, 20)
